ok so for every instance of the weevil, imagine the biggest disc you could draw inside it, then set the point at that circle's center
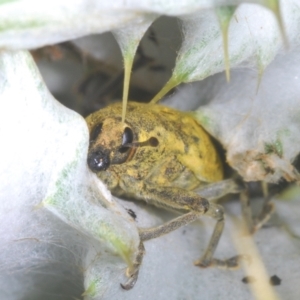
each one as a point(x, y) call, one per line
point(164, 157)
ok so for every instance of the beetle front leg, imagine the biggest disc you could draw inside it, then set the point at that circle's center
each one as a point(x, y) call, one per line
point(178, 199)
point(154, 232)
point(217, 212)
point(133, 272)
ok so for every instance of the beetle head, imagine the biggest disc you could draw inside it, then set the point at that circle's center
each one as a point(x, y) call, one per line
point(110, 143)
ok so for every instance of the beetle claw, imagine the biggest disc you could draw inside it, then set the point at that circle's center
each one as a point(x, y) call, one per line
point(130, 282)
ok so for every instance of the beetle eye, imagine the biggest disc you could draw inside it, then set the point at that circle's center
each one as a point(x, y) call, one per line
point(127, 138)
point(95, 132)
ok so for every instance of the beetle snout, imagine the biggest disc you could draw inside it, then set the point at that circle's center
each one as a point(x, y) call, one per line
point(98, 160)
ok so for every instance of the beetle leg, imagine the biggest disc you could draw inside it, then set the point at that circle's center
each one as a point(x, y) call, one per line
point(216, 190)
point(133, 272)
point(246, 210)
point(154, 232)
point(174, 198)
point(255, 224)
point(265, 214)
point(217, 212)
point(148, 234)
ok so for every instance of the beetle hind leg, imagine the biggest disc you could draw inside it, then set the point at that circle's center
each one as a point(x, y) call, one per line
point(254, 224)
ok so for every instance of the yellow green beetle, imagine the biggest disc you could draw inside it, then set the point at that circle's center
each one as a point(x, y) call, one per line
point(164, 157)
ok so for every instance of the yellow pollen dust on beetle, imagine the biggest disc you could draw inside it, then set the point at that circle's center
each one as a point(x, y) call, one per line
point(164, 157)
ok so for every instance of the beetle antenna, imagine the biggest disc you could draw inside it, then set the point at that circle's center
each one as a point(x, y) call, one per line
point(152, 142)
